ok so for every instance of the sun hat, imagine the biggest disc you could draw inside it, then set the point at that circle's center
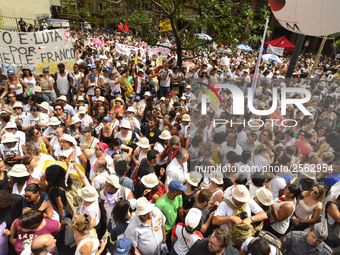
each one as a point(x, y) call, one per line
point(183, 98)
point(75, 119)
point(123, 246)
point(143, 143)
point(240, 193)
point(216, 177)
point(130, 109)
point(165, 135)
point(119, 99)
point(88, 193)
point(188, 86)
point(186, 117)
point(101, 99)
point(68, 138)
point(54, 121)
point(18, 170)
point(17, 105)
point(103, 146)
point(37, 89)
point(147, 93)
point(113, 180)
point(125, 124)
point(107, 118)
point(8, 138)
point(193, 178)
point(162, 99)
point(82, 110)
point(143, 206)
point(309, 172)
point(62, 98)
point(177, 186)
point(81, 98)
point(265, 196)
point(150, 180)
point(193, 218)
point(11, 125)
point(45, 105)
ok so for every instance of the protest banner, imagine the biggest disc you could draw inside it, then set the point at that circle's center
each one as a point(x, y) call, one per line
point(275, 50)
point(127, 49)
point(36, 50)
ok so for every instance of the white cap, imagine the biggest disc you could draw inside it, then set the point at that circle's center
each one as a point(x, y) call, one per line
point(188, 86)
point(309, 172)
point(165, 135)
point(17, 105)
point(125, 124)
point(147, 93)
point(193, 218)
point(186, 117)
point(11, 125)
point(68, 138)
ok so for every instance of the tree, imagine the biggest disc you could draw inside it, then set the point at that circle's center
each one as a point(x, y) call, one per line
point(227, 21)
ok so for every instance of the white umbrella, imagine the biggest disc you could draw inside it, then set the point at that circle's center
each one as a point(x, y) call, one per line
point(267, 57)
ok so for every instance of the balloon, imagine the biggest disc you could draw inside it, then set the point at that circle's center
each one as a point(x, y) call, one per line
point(308, 17)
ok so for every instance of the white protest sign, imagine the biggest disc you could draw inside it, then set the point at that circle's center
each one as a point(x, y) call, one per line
point(127, 49)
point(275, 50)
point(36, 50)
point(225, 61)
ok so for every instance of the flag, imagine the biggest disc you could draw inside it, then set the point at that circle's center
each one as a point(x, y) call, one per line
point(275, 50)
point(165, 26)
point(136, 59)
point(159, 61)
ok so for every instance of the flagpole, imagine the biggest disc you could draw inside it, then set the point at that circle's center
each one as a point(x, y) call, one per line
point(259, 59)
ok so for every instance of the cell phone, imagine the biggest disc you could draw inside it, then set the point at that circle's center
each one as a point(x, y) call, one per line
point(105, 236)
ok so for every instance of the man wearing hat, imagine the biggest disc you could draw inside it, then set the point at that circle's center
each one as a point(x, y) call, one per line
point(68, 109)
point(300, 242)
point(146, 230)
point(10, 150)
point(62, 85)
point(239, 196)
point(19, 135)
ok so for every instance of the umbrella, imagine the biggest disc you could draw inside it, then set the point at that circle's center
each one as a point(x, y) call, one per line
point(97, 41)
point(203, 37)
point(267, 57)
point(244, 47)
point(143, 44)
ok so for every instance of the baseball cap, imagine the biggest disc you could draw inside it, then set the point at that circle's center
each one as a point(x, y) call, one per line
point(123, 246)
point(137, 98)
point(46, 70)
point(107, 118)
point(131, 96)
point(193, 218)
point(116, 92)
point(106, 69)
point(92, 76)
point(10, 71)
point(177, 186)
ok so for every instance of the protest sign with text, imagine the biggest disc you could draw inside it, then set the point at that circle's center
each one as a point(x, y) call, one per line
point(36, 50)
point(127, 49)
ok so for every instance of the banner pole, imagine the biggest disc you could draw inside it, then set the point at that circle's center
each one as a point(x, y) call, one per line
point(259, 59)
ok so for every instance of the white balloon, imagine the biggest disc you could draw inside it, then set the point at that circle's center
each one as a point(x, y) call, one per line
point(309, 17)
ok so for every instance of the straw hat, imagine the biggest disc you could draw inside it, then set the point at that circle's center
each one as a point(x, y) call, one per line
point(186, 117)
point(125, 124)
point(54, 121)
point(165, 135)
point(150, 180)
point(193, 178)
point(88, 193)
point(143, 143)
point(17, 105)
point(8, 138)
point(265, 196)
point(130, 109)
point(44, 105)
point(37, 89)
point(143, 206)
point(113, 180)
point(11, 125)
point(75, 119)
point(18, 170)
point(216, 177)
point(82, 110)
point(240, 193)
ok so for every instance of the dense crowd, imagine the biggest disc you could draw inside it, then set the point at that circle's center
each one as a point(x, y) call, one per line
point(115, 156)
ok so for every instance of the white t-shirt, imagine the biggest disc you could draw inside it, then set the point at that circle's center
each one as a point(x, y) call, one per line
point(224, 210)
point(31, 120)
point(69, 151)
point(277, 183)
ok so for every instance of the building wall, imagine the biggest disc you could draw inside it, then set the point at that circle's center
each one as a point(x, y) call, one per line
point(25, 8)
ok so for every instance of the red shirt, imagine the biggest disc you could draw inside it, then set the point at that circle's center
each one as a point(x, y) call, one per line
point(304, 147)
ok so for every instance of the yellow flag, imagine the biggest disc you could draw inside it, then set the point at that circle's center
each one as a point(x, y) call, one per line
point(159, 61)
point(165, 26)
point(136, 59)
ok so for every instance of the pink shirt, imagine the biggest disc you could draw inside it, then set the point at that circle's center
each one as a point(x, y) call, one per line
point(25, 238)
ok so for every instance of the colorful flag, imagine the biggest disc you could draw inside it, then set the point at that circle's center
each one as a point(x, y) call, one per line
point(159, 61)
point(165, 26)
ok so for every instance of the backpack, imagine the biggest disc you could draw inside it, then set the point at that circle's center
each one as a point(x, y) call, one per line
point(239, 232)
point(333, 230)
point(72, 199)
point(270, 238)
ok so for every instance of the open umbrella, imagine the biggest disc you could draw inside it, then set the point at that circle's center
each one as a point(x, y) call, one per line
point(97, 42)
point(267, 57)
point(244, 47)
point(203, 37)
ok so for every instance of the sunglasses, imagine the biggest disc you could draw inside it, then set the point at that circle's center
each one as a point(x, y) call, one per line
point(37, 133)
point(27, 196)
point(97, 149)
point(11, 97)
point(59, 109)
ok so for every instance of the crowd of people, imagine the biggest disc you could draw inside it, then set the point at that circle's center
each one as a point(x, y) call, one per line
point(115, 157)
